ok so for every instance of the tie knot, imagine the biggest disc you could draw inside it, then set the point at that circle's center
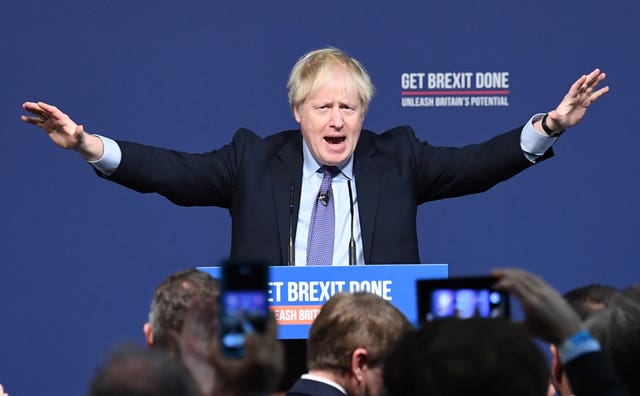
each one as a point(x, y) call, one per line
point(329, 171)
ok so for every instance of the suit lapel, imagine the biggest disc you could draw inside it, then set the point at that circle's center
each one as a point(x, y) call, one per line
point(368, 175)
point(286, 170)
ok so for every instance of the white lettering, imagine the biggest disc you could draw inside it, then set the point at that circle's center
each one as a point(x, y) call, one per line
point(412, 80)
point(417, 102)
point(492, 80)
point(381, 288)
point(278, 289)
point(292, 291)
point(449, 80)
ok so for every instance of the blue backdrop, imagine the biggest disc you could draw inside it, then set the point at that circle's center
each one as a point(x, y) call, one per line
point(80, 257)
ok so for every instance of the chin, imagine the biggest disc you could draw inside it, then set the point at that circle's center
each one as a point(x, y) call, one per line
point(333, 162)
point(334, 159)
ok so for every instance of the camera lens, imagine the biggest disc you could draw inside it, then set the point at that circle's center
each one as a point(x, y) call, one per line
point(494, 297)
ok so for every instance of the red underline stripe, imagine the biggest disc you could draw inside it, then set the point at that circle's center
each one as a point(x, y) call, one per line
point(474, 92)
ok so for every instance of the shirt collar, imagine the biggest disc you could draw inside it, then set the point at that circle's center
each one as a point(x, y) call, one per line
point(325, 380)
point(310, 165)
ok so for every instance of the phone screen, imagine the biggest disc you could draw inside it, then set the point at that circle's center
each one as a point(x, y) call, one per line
point(462, 298)
point(244, 304)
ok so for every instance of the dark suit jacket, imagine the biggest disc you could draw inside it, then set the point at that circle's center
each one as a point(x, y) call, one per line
point(307, 387)
point(591, 375)
point(253, 177)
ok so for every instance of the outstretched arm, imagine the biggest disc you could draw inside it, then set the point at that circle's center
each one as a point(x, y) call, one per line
point(62, 130)
point(575, 103)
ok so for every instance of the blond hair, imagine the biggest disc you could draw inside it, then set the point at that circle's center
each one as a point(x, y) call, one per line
point(311, 69)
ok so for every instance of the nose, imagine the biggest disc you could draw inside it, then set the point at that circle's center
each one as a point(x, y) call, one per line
point(337, 120)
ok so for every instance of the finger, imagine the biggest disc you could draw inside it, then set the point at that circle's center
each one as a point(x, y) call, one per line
point(523, 290)
point(507, 279)
point(50, 111)
point(33, 108)
point(521, 284)
point(593, 80)
point(596, 95)
point(594, 74)
point(500, 274)
point(598, 79)
point(589, 79)
point(32, 120)
point(47, 110)
point(591, 88)
point(30, 106)
point(576, 86)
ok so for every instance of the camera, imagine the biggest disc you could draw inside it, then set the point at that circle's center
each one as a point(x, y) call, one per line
point(244, 307)
point(461, 298)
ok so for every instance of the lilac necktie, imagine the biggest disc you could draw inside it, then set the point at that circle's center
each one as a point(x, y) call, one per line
point(322, 226)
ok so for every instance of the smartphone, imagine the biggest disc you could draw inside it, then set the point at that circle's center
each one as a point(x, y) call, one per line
point(244, 307)
point(462, 298)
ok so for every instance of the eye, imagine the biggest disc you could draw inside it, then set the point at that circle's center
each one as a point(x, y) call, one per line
point(347, 109)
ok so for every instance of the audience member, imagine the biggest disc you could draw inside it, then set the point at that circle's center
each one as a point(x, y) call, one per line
point(256, 374)
point(550, 318)
point(347, 345)
point(171, 301)
point(449, 363)
point(467, 357)
point(134, 371)
point(184, 319)
point(591, 299)
point(618, 330)
point(586, 301)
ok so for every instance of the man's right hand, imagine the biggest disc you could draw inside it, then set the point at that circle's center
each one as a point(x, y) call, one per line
point(62, 130)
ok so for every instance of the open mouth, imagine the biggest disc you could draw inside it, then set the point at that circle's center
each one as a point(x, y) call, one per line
point(335, 139)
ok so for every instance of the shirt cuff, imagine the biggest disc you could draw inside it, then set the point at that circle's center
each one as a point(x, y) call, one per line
point(111, 157)
point(576, 345)
point(533, 143)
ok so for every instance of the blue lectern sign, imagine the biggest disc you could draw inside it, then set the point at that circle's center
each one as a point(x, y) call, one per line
point(297, 293)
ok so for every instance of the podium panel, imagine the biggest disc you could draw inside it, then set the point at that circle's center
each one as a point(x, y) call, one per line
point(297, 293)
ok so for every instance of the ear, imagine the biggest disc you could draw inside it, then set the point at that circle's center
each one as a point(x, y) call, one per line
point(557, 370)
point(296, 113)
point(359, 363)
point(148, 334)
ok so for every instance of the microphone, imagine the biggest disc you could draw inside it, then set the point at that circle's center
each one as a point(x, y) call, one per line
point(352, 242)
point(324, 197)
point(292, 252)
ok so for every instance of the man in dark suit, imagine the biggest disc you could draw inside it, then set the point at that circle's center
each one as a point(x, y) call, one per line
point(272, 186)
point(348, 342)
